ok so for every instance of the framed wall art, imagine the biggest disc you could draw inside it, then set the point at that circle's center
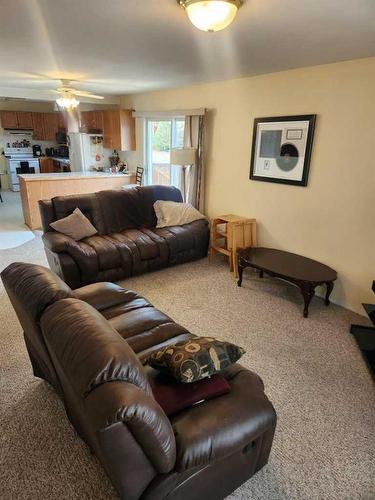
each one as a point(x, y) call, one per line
point(281, 149)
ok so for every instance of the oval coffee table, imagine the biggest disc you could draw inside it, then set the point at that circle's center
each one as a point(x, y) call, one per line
point(306, 273)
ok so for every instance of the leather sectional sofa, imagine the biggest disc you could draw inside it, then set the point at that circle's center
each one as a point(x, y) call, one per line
point(89, 344)
point(127, 242)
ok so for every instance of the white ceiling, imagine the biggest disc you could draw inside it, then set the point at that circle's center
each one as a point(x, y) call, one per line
point(123, 46)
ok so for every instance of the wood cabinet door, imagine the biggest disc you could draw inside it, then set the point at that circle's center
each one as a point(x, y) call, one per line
point(108, 129)
point(97, 120)
point(84, 121)
point(9, 119)
point(38, 126)
point(62, 121)
point(127, 130)
point(25, 119)
point(46, 165)
point(50, 126)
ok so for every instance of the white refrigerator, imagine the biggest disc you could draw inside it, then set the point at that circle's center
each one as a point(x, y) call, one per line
point(86, 152)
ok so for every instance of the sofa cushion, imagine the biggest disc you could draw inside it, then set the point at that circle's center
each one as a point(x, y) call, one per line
point(150, 194)
point(196, 358)
point(174, 396)
point(87, 203)
point(75, 225)
point(219, 427)
point(121, 209)
point(170, 213)
point(88, 349)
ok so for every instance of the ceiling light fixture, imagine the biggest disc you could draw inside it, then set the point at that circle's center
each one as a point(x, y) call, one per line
point(211, 15)
point(67, 101)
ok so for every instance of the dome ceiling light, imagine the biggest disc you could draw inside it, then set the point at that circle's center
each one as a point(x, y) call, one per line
point(211, 15)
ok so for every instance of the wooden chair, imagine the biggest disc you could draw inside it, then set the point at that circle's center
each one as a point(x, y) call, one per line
point(139, 176)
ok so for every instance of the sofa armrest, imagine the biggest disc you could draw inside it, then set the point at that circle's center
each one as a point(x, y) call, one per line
point(104, 295)
point(57, 242)
point(123, 402)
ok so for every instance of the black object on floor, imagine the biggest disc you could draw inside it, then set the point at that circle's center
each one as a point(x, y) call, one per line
point(365, 336)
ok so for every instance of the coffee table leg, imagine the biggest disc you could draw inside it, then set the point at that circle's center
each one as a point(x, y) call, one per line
point(329, 285)
point(308, 293)
point(260, 274)
point(240, 271)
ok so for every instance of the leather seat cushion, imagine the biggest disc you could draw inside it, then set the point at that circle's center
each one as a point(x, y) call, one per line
point(142, 325)
point(219, 427)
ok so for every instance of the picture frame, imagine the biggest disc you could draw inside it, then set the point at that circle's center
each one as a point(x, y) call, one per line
point(281, 149)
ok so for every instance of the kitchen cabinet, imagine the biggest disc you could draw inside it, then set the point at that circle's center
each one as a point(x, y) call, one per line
point(119, 130)
point(16, 119)
point(51, 121)
point(9, 119)
point(25, 119)
point(38, 126)
point(46, 165)
point(91, 120)
point(62, 121)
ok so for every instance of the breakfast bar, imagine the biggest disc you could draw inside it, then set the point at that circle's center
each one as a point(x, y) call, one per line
point(35, 187)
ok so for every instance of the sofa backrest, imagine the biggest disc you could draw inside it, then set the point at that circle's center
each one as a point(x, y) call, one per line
point(32, 289)
point(104, 385)
point(111, 211)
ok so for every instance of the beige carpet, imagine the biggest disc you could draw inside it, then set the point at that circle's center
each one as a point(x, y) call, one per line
point(313, 372)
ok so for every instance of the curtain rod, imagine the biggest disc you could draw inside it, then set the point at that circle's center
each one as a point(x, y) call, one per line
point(168, 113)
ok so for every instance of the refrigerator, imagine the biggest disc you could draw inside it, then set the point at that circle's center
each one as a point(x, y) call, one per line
point(86, 152)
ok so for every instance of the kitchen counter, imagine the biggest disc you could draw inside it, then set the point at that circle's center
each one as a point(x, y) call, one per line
point(71, 175)
point(35, 187)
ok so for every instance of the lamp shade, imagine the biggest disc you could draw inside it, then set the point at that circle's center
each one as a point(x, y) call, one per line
point(183, 156)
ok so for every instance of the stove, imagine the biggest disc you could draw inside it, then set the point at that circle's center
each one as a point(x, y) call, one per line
point(20, 160)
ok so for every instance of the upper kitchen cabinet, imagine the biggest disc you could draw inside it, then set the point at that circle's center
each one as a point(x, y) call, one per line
point(9, 119)
point(38, 126)
point(119, 130)
point(16, 119)
point(25, 119)
point(51, 126)
point(91, 120)
point(62, 122)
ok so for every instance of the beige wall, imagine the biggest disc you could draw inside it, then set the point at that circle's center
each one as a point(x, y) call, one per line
point(333, 218)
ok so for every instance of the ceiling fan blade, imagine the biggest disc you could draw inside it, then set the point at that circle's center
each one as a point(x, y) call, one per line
point(82, 93)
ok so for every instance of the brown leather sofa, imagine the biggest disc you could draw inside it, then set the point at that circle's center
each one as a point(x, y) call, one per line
point(89, 344)
point(127, 242)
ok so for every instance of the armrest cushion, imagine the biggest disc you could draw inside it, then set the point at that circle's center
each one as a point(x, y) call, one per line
point(104, 295)
point(57, 242)
point(115, 402)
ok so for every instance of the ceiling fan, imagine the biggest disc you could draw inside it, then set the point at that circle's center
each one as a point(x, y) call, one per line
point(68, 100)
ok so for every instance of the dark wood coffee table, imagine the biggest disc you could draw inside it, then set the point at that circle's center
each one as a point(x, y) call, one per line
point(306, 273)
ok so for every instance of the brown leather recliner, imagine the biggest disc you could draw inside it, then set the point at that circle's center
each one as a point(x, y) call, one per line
point(89, 344)
point(127, 242)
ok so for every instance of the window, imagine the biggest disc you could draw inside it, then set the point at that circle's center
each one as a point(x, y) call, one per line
point(161, 136)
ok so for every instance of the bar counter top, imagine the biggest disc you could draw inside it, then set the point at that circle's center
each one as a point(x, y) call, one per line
point(71, 175)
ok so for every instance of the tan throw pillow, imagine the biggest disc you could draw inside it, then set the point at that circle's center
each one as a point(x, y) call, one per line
point(76, 226)
point(171, 213)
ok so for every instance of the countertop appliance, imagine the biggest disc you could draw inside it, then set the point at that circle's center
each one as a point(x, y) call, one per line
point(37, 150)
point(61, 137)
point(19, 158)
point(86, 152)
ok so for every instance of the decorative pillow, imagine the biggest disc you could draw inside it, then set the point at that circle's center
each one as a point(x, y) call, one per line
point(173, 396)
point(76, 226)
point(195, 359)
point(171, 213)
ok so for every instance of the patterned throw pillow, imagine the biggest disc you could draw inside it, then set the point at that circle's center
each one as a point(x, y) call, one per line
point(195, 359)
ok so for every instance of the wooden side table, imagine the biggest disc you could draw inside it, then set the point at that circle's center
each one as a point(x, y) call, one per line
point(233, 232)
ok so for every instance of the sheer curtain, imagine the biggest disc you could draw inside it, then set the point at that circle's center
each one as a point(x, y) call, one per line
point(192, 176)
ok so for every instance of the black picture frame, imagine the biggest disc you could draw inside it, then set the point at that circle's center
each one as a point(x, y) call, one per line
point(309, 143)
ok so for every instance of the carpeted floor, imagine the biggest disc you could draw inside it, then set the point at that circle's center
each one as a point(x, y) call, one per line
point(314, 374)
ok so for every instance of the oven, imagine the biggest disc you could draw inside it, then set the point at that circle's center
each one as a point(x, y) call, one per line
point(25, 164)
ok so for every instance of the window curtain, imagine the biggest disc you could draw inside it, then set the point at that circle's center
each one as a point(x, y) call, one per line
point(192, 176)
